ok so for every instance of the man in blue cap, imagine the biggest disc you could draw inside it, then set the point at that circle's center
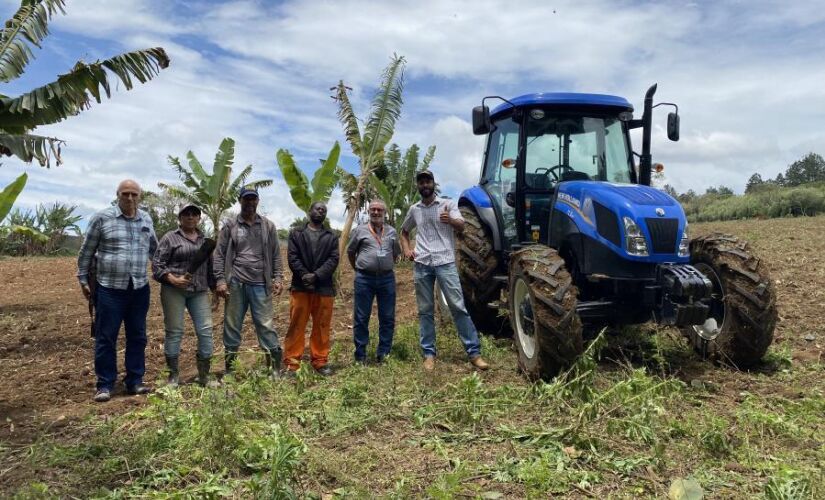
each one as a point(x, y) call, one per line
point(248, 271)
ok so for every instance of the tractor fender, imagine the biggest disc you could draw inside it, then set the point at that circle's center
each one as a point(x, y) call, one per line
point(477, 198)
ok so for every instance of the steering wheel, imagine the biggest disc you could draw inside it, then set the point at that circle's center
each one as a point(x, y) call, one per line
point(556, 171)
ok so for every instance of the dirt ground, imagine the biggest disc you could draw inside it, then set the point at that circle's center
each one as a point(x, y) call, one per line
point(46, 352)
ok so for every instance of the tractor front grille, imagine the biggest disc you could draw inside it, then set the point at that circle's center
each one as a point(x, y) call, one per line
point(607, 224)
point(664, 234)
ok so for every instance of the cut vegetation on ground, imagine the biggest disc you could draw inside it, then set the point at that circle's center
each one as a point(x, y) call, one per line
point(637, 413)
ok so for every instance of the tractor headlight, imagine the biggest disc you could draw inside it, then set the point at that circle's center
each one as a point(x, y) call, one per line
point(684, 243)
point(635, 242)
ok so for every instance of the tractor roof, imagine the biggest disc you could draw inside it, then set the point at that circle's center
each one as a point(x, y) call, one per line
point(567, 99)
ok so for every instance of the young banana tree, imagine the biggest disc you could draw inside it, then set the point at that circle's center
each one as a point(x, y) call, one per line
point(304, 193)
point(10, 193)
point(380, 126)
point(70, 94)
point(214, 193)
point(398, 189)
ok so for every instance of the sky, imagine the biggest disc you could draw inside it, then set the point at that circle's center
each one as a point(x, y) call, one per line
point(747, 76)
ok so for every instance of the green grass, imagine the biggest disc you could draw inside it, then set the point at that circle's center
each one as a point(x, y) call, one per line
point(625, 427)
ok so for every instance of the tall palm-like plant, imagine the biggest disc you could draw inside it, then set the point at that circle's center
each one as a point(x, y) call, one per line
point(216, 192)
point(304, 193)
point(398, 189)
point(68, 95)
point(380, 126)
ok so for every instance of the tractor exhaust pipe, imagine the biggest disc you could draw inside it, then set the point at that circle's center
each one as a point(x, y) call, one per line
point(646, 161)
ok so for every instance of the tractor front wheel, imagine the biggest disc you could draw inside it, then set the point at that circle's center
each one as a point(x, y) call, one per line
point(547, 330)
point(742, 315)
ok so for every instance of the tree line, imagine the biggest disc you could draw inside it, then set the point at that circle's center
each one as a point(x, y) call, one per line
point(799, 190)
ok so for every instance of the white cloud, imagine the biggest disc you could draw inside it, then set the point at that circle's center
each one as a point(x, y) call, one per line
point(747, 77)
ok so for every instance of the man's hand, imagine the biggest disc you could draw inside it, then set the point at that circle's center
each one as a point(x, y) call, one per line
point(308, 279)
point(409, 254)
point(222, 291)
point(87, 292)
point(277, 287)
point(178, 281)
point(445, 216)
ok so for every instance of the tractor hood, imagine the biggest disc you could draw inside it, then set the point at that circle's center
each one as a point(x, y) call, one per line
point(599, 209)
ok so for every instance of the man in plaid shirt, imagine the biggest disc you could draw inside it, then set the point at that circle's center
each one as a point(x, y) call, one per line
point(434, 254)
point(122, 239)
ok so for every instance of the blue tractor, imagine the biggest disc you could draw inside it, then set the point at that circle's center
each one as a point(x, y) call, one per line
point(564, 236)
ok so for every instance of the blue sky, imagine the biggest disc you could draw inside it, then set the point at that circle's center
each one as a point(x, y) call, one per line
point(748, 77)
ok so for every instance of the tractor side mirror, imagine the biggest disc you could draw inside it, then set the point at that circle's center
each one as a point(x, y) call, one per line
point(481, 120)
point(673, 126)
point(510, 199)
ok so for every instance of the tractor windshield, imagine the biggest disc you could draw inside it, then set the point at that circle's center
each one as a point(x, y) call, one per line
point(574, 147)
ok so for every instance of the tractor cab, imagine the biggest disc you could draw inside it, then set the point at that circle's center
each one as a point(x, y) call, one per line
point(538, 141)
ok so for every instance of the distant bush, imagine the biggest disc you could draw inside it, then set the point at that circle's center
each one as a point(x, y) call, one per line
point(766, 202)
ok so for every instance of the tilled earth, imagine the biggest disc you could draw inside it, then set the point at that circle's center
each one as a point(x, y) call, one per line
point(46, 353)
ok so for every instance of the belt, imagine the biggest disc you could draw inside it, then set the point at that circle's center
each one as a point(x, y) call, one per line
point(375, 273)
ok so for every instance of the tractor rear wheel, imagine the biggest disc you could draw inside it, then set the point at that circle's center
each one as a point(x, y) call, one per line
point(742, 315)
point(547, 330)
point(477, 263)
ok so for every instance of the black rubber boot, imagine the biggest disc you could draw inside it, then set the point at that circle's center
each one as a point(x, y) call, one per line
point(230, 358)
point(174, 379)
point(203, 373)
point(273, 364)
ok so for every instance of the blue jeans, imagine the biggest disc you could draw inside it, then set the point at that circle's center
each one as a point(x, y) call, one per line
point(366, 288)
point(175, 302)
point(114, 307)
point(243, 296)
point(447, 276)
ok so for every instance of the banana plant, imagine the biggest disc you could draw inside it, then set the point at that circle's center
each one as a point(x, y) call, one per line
point(10, 194)
point(70, 94)
point(398, 189)
point(326, 177)
point(214, 193)
point(369, 146)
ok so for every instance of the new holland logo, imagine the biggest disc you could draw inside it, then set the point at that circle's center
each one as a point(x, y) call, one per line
point(660, 212)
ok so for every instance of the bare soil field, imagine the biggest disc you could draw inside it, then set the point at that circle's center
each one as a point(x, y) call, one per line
point(48, 380)
point(48, 356)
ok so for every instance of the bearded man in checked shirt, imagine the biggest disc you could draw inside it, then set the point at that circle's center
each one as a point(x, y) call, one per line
point(122, 238)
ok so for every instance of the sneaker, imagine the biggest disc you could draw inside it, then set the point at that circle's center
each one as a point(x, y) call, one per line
point(479, 363)
point(380, 359)
point(103, 395)
point(138, 389)
point(361, 361)
point(429, 363)
point(324, 371)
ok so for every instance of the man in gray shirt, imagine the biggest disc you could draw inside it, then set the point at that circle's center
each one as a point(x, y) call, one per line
point(434, 257)
point(372, 250)
point(248, 267)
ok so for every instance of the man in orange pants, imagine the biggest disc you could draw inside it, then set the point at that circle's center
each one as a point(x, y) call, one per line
point(312, 257)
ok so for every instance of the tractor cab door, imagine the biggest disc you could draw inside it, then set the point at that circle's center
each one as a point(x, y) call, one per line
point(499, 178)
point(539, 176)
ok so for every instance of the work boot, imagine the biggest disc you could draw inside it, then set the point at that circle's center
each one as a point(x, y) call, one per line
point(203, 374)
point(479, 363)
point(103, 395)
point(229, 359)
point(429, 363)
point(174, 378)
point(273, 364)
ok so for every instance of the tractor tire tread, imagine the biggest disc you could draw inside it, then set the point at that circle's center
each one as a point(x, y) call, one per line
point(477, 263)
point(559, 338)
point(749, 299)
